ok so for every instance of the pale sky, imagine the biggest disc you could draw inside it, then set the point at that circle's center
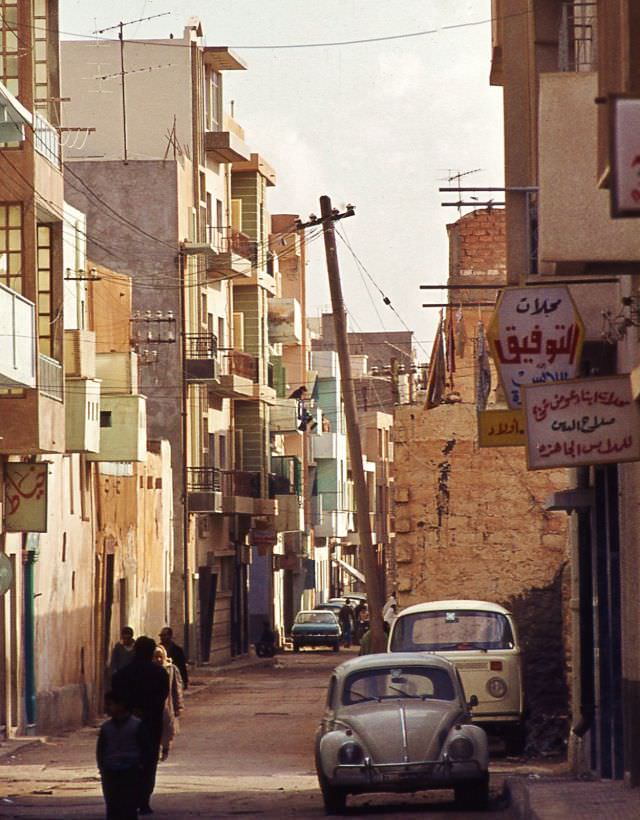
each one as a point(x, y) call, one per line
point(380, 125)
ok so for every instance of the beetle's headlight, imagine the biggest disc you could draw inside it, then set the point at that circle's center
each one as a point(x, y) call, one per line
point(496, 687)
point(460, 748)
point(350, 753)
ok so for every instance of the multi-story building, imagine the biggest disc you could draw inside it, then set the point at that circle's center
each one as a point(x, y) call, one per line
point(176, 199)
point(558, 65)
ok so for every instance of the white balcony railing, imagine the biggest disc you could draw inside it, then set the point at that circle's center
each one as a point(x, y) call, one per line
point(18, 351)
point(50, 378)
point(47, 140)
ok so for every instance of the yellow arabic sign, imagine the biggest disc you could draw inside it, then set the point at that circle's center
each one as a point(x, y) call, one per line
point(26, 494)
point(501, 428)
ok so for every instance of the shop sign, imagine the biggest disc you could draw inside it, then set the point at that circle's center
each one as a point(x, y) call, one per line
point(586, 421)
point(263, 538)
point(535, 336)
point(501, 428)
point(26, 486)
point(624, 128)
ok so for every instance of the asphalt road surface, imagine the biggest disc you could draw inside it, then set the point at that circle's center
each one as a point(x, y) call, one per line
point(245, 750)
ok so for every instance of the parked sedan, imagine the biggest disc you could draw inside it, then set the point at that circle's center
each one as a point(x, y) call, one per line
point(316, 628)
point(399, 723)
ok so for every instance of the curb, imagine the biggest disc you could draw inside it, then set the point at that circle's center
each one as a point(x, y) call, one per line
point(517, 792)
point(10, 748)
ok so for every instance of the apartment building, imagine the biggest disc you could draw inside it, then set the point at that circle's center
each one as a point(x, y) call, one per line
point(182, 201)
point(559, 65)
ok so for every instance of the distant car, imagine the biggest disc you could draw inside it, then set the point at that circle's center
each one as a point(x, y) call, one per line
point(480, 638)
point(331, 606)
point(399, 723)
point(316, 628)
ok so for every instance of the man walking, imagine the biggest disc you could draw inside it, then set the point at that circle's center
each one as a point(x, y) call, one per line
point(145, 686)
point(176, 653)
point(123, 651)
point(345, 616)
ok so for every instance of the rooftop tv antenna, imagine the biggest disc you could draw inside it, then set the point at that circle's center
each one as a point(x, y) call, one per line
point(120, 26)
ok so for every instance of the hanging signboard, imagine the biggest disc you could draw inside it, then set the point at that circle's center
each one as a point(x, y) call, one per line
point(586, 421)
point(26, 487)
point(536, 337)
point(624, 130)
point(501, 428)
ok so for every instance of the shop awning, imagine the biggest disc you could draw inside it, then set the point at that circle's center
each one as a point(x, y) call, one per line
point(351, 570)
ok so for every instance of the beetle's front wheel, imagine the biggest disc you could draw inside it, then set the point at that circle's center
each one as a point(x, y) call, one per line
point(335, 800)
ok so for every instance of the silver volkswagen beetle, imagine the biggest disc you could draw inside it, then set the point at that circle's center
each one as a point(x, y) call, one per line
point(399, 723)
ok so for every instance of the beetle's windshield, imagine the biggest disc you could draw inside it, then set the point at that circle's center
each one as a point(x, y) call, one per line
point(315, 618)
point(394, 683)
point(451, 630)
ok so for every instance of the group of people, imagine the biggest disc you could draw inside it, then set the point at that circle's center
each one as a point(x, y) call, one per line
point(354, 622)
point(143, 704)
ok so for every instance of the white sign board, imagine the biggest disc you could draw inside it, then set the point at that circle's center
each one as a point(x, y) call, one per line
point(585, 421)
point(535, 336)
point(624, 126)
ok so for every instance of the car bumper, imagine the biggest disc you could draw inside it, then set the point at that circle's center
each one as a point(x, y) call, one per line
point(315, 640)
point(407, 776)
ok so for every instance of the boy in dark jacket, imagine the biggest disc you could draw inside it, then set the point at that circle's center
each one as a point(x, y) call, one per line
point(122, 750)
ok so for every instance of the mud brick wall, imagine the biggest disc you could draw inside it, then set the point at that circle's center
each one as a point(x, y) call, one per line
point(471, 522)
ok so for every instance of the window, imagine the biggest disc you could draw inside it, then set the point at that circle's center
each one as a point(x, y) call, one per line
point(105, 418)
point(9, 45)
point(11, 273)
point(45, 304)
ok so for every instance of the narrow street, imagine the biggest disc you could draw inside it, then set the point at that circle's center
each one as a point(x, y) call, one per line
point(246, 749)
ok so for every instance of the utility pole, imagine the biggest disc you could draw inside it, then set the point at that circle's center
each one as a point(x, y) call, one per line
point(372, 577)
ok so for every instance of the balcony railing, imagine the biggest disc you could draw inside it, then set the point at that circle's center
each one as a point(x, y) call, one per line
point(200, 346)
point(50, 378)
point(224, 241)
point(242, 483)
point(204, 480)
point(46, 140)
point(577, 41)
point(286, 476)
point(242, 364)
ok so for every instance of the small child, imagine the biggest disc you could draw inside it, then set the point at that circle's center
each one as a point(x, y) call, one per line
point(122, 747)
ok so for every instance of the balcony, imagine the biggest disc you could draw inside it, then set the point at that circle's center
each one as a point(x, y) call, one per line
point(200, 351)
point(118, 373)
point(242, 494)
point(243, 364)
point(46, 140)
point(18, 352)
point(225, 146)
point(328, 446)
point(334, 524)
point(123, 428)
point(230, 256)
point(290, 516)
point(50, 378)
point(204, 488)
point(82, 415)
point(286, 476)
point(285, 321)
point(286, 416)
point(80, 354)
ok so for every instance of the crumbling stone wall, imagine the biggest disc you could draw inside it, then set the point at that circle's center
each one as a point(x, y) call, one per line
point(471, 522)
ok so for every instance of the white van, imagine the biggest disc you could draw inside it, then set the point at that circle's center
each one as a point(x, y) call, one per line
point(480, 638)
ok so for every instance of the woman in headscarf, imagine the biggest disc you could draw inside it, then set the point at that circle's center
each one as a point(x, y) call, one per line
point(174, 702)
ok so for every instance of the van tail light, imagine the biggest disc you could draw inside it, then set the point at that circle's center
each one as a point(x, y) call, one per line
point(495, 666)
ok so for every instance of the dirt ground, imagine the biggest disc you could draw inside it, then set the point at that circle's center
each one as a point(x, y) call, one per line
point(245, 749)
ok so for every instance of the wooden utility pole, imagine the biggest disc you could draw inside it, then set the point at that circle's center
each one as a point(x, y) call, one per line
point(372, 576)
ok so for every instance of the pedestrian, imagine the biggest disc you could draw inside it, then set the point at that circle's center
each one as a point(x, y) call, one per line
point(392, 614)
point(123, 748)
point(345, 616)
point(174, 703)
point(144, 686)
point(122, 652)
point(266, 645)
point(391, 601)
point(362, 620)
point(176, 654)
